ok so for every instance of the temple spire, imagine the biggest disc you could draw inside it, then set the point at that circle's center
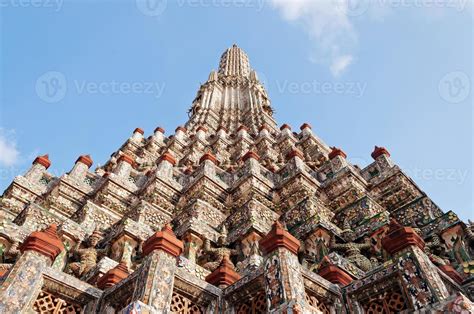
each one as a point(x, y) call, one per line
point(234, 61)
point(233, 96)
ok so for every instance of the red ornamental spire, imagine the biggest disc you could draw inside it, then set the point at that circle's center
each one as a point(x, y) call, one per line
point(279, 237)
point(46, 242)
point(337, 152)
point(164, 240)
point(379, 151)
point(113, 276)
point(43, 160)
point(85, 159)
point(224, 275)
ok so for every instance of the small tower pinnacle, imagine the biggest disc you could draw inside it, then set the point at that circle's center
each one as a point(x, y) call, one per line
point(234, 61)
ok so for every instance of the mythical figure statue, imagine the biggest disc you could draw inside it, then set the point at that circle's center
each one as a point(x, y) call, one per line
point(352, 250)
point(88, 255)
point(218, 253)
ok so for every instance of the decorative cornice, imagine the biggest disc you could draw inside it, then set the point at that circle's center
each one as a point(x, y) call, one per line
point(163, 240)
point(46, 242)
point(279, 237)
point(452, 273)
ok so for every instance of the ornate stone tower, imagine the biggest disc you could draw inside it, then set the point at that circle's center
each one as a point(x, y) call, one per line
point(230, 214)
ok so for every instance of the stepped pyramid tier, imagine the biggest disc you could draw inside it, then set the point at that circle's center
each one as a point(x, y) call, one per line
point(230, 214)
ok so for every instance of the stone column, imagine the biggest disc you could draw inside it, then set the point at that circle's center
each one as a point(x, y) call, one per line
point(284, 284)
point(165, 166)
point(210, 162)
point(156, 274)
point(306, 129)
point(251, 161)
point(419, 274)
point(137, 135)
point(83, 163)
point(24, 281)
point(382, 158)
point(124, 166)
point(40, 165)
point(158, 135)
point(338, 159)
point(192, 245)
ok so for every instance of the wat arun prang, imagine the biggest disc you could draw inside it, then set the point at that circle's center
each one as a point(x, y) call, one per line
point(230, 214)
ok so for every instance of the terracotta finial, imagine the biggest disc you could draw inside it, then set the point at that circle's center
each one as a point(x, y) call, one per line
point(379, 151)
point(160, 129)
point(164, 240)
point(333, 273)
point(279, 237)
point(169, 158)
point(295, 152)
point(138, 130)
point(126, 158)
point(224, 275)
point(337, 152)
point(305, 126)
point(400, 237)
point(46, 242)
point(250, 154)
point(210, 157)
point(180, 128)
point(113, 276)
point(285, 126)
point(43, 160)
point(201, 128)
point(85, 159)
point(243, 127)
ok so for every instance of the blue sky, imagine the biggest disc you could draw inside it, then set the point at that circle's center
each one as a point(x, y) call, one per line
point(390, 73)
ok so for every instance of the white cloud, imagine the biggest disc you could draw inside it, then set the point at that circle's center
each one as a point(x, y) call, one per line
point(9, 154)
point(340, 64)
point(328, 25)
